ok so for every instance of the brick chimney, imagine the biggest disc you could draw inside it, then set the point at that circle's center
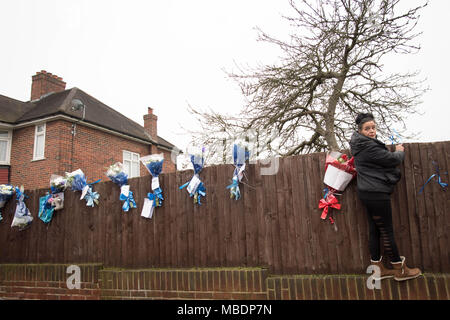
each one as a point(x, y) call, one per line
point(150, 124)
point(44, 82)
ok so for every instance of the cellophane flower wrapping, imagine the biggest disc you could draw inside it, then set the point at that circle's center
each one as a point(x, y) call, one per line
point(240, 156)
point(198, 162)
point(76, 180)
point(45, 208)
point(195, 187)
point(6, 192)
point(57, 183)
point(154, 164)
point(117, 174)
point(339, 171)
point(22, 216)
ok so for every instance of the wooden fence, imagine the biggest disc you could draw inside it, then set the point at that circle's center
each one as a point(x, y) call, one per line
point(275, 224)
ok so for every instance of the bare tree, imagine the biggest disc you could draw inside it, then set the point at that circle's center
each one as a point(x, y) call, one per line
point(331, 70)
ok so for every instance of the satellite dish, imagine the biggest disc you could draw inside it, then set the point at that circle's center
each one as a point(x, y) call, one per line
point(76, 105)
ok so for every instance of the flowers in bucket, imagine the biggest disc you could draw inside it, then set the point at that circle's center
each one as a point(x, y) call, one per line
point(6, 192)
point(240, 155)
point(339, 171)
point(154, 164)
point(76, 180)
point(195, 186)
point(22, 216)
point(118, 175)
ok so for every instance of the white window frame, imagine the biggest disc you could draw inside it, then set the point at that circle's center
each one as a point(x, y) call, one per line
point(130, 175)
point(36, 135)
point(8, 140)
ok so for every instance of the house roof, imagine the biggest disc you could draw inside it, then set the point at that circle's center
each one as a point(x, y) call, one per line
point(96, 112)
point(12, 109)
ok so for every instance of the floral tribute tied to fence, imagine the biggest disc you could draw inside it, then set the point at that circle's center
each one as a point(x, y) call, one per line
point(339, 171)
point(154, 164)
point(6, 193)
point(77, 181)
point(195, 186)
point(22, 216)
point(240, 155)
point(118, 175)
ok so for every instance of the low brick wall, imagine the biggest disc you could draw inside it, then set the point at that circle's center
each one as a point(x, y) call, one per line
point(354, 287)
point(48, 282)
point(220, 283)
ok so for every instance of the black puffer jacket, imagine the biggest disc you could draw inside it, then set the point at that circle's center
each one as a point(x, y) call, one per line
point(375, 164)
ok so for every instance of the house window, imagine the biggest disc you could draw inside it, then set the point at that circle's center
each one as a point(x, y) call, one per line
point(5, 146)
point(131, 164)
point(39, 142)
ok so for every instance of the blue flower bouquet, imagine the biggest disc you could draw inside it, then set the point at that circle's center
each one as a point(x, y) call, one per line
point(45, 208)
point(195, 186)
point(57, 183)
point(118, 175)
point(154, 165)
point(76, 180)
point(22, 216)
point(6, 192)
point(240, 155)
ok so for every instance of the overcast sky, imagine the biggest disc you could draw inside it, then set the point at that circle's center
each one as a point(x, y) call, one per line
point(166, 54)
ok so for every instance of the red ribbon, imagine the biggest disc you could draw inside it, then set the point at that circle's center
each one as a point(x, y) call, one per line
point(329, 202)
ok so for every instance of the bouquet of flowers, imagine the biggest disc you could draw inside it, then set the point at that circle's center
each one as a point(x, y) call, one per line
point(118, 175)
point(240, 155)
point(195, 186)
point(6, 192)
point(22, 216)
point(77, 181)
point(339, 171)
point(58, 185)
point(154, 164)
point(45, 208)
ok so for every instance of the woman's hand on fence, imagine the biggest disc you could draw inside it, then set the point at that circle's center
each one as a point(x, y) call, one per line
point(400, 147)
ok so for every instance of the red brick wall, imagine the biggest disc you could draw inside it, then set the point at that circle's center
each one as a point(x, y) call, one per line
point(47, 282)
point(4, 175)
point(44, 82)
point(93, 152)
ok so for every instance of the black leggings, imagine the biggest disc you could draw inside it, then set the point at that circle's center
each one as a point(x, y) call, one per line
point(379, 214)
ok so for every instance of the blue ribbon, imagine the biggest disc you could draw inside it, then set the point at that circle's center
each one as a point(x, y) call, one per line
point(197, 193)
point(156, 197)
point(437, 174)
point(397, 139)
point(91, 197)
point(234, 186)
point(201, 192)
point(129, 201)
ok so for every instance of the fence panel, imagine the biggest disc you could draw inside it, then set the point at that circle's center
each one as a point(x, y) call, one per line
point(275, 224)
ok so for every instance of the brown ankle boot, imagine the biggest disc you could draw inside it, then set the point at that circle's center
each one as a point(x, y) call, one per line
point(402, 272)
point(385, 273)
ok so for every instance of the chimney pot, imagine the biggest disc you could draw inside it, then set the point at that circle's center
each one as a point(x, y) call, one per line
point(44, 82)
point(150, 123)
